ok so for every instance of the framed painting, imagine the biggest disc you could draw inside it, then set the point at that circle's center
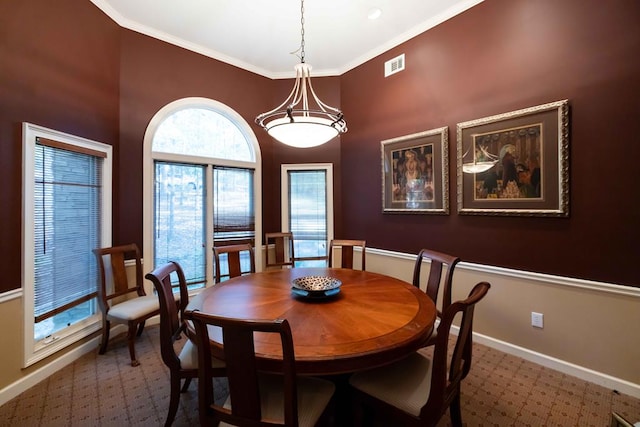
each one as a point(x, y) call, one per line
point(515, 163)
point(415, 173)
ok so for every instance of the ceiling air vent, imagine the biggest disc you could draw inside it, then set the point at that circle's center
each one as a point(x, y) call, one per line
point(394, 65)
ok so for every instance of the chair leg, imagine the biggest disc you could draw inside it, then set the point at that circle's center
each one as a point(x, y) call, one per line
point(140, 328)
point(174, 400)
point(106, 326)
point(131, 338)
point(205, 399)
point(454, 411)
point(328, 417)
point(358, 413)
point(185, 386)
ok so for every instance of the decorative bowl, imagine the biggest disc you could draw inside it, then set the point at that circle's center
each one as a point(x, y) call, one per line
point(315, 287)
point(316, 283)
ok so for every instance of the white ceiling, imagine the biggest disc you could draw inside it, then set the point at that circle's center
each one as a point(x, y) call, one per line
point(257, 35)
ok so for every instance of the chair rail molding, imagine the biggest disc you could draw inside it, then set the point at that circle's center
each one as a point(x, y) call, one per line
point(11, 295)
point(527, 275)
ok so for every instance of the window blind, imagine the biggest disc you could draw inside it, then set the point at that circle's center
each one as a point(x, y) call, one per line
point(308, 204)
point(67, 220)
point(233, 210)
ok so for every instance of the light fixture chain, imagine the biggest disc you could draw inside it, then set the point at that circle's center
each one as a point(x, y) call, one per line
point(303, 120)
point(302, 30)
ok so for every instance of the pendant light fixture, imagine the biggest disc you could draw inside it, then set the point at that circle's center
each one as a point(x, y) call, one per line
point(303, 120)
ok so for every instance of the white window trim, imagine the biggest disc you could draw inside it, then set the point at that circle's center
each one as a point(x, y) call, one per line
point(284, 192)
point(36, 351)
point(148, 171)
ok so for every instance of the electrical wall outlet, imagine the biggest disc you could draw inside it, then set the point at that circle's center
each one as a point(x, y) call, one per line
point(537, 320)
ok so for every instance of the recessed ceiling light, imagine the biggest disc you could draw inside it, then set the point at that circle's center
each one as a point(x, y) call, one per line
point(374, 14)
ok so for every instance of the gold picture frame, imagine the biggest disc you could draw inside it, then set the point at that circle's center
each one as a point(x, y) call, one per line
point(415, 173)
point(515, 163)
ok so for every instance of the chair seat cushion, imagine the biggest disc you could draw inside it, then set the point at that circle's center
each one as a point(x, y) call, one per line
point(314, 395)
point(404, 384)
point(135, 308)
point(434, 335)
point(189, 357)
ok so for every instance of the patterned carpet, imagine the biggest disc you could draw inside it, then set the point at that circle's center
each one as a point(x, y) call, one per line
point(104, 390)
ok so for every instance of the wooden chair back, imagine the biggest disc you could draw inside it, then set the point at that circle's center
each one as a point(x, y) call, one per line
point(436, 382)
point(347, 254)
point(114, 282)
point(134, 307)
point(438, 261)
point(233, 257)
point(171, 311)
point(172, 327)
point(283, 254)
point(450, 368)
point(242, 370)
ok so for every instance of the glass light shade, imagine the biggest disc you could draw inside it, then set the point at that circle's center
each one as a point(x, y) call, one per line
point(303, 132)
point(311, 124)
point(303, 120)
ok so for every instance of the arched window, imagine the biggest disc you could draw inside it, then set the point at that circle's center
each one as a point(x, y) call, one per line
point(201, 186)
point(192, 130)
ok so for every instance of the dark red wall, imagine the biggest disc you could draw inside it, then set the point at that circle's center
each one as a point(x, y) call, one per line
point(153, 74)
point(500, 56)
point(69, 67)
point(58, 69)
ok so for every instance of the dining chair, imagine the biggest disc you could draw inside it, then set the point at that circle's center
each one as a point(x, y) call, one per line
point(232, 254)
point(438, 261)
point(418, 390)
point(257, 399)
point(347, 256)
point(121, 300)
point(172, 328)
point(283, 253)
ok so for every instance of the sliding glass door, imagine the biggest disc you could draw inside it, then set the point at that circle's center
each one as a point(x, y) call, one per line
point(180, 218)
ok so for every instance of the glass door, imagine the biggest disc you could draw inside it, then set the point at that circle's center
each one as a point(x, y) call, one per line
point(180, 218)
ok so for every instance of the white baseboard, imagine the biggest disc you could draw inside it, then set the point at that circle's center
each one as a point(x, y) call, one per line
point(568, 368)
point(42, 373)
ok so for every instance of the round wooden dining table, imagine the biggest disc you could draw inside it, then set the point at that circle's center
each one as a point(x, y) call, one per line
point(374, 319)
